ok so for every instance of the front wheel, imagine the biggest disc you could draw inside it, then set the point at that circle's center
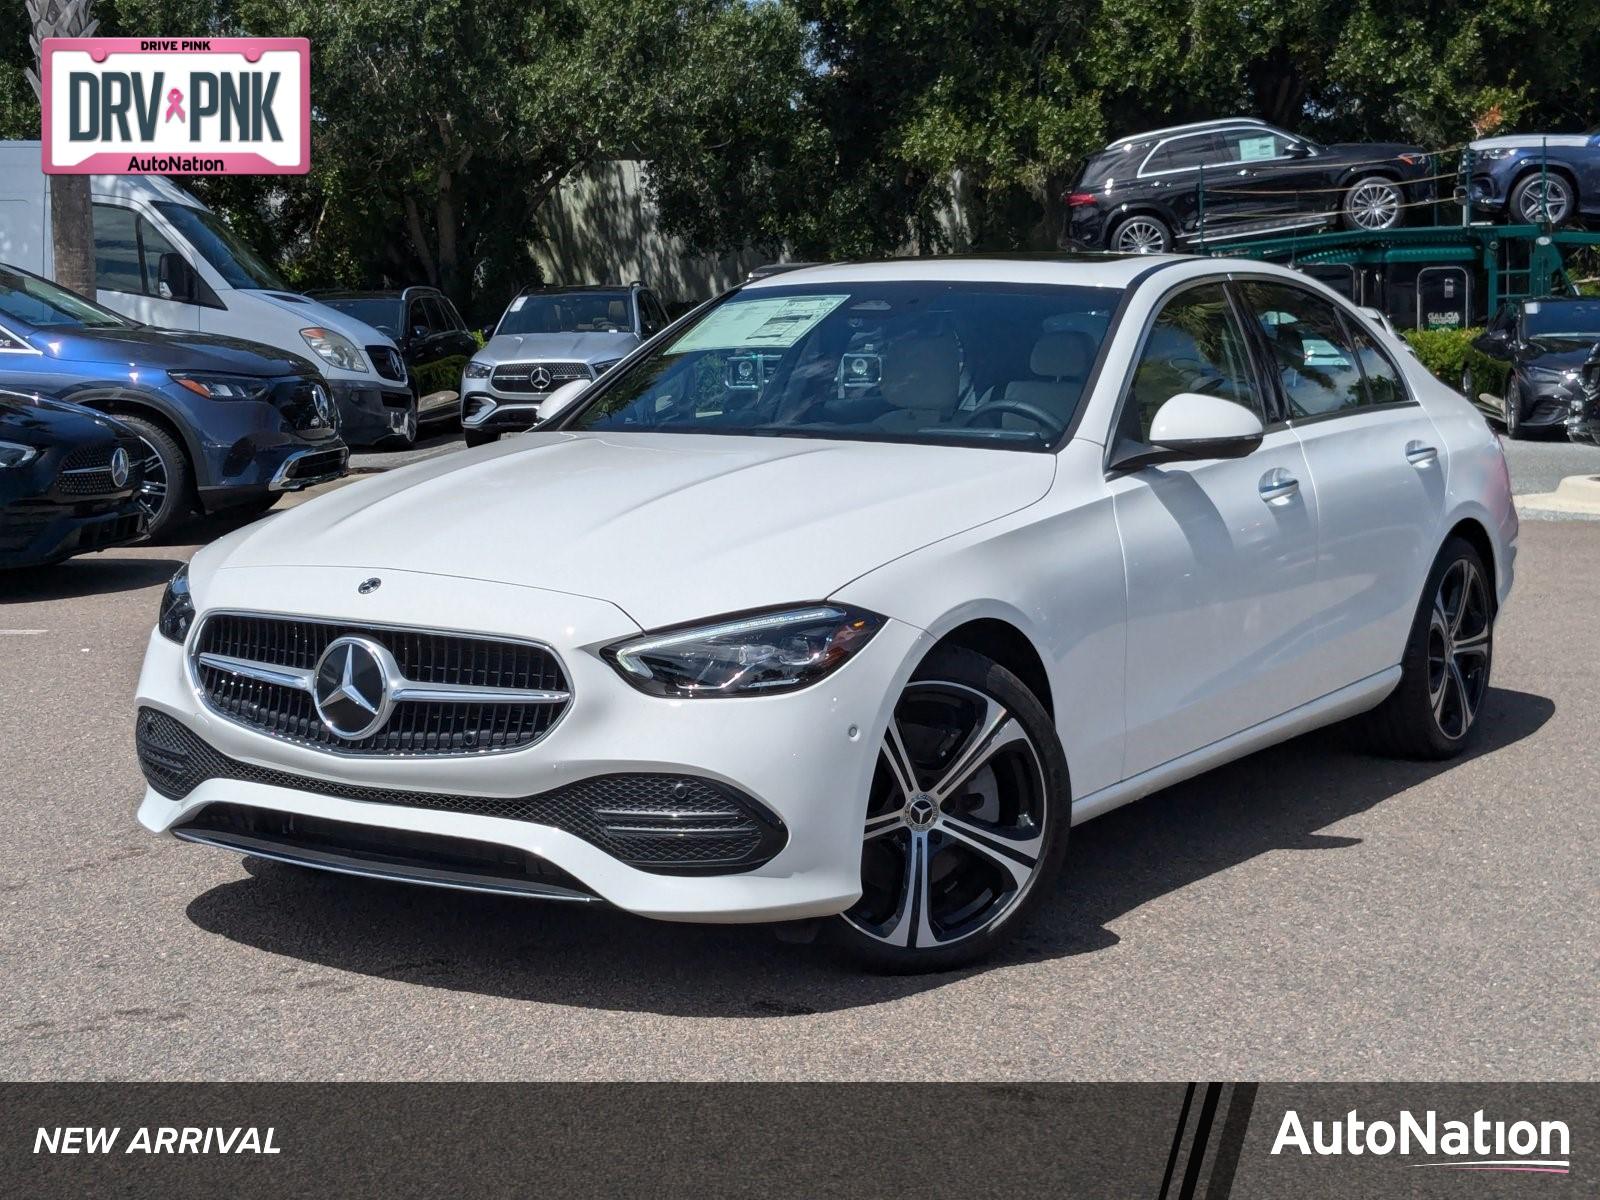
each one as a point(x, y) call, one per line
point(966, 823)
point(1445, 670)
point(164, 492)
point(1541, 199)
point(1513, 409)
point(1373, 204)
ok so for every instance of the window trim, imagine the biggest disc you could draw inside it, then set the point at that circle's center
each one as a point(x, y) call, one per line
point(1142, 173)
point(21, 347)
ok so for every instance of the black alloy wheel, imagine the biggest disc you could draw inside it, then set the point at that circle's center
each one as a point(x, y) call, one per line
point(966, 822)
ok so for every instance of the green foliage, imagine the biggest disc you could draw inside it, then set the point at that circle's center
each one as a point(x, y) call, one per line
point(1447, 352)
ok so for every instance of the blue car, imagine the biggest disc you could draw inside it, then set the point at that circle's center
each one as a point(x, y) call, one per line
point(1529, 178)
point(222, 423)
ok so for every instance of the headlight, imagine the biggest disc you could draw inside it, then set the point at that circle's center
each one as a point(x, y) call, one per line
point(13, 455)
point(177, 607)
point(748, 656)
point(1496, 153)
point(600, 368)
point(223, 387)
point(335, 348)
point(478, 370)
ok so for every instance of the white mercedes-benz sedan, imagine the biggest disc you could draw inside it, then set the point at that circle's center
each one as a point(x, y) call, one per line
point(845, 597)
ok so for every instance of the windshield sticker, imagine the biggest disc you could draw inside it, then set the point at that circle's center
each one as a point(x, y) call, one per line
point(1251, 149)
point(778, 323)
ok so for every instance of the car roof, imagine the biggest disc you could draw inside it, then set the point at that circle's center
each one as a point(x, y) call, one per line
point(1084, 269)
point(555, 289)
point(1192, 127)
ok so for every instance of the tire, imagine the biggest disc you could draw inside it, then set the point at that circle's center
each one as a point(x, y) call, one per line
point(479, 437)
point(1373, 203)
point(985, 841)
point(1423, 717)
point(165, 494)
point(1512, 400)
point(253, 508)
point(1539, 193)
point(1140, 234)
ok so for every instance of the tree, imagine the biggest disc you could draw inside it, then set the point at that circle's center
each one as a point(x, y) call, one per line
point(71, 217)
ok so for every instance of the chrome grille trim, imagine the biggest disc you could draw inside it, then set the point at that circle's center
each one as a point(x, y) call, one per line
point(441, 717)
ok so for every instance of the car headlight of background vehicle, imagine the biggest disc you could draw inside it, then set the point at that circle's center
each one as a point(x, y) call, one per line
point(478, 370)
point(335, 348)
point(1495, 153)
point(222, 387)
point(13, 455)
point(755, 655)
point(177, 607)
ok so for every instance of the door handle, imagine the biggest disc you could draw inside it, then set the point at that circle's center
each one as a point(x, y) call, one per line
point(1278, 484)
point(1420, 455)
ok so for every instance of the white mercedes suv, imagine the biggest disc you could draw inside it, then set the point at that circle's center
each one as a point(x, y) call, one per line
point(850, 593)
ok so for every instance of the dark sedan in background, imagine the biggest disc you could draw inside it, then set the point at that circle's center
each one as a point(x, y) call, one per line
point(1143, 193)
point(1546, 343)
point(1535, 178)
point(434, 342)
point(221, 423)
point(69, 481)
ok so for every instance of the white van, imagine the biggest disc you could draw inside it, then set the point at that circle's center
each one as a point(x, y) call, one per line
point(165, 259)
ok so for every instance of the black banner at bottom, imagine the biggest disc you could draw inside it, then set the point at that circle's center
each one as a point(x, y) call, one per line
point(1162, 1141)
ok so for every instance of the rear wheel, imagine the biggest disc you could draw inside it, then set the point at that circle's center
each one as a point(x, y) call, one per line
point(164, 494)
point(967, 819)
point(1445, 671)
point(1373, 204)
point(1141, 234)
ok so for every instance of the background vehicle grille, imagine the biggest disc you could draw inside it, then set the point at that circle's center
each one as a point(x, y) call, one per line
point(415, 727)
point(387, 362)
point(661, 823)
point(517, 377)
point(86, 471)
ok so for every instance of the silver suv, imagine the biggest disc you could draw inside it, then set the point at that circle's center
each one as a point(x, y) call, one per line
point(549, 336)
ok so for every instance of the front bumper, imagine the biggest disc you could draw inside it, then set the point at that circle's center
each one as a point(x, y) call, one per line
point(806, 757)
point(36, 532)
point(371, 412)
point(484, 411)
point(1546, 402)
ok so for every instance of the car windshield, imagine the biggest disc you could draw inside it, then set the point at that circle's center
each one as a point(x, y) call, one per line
point(1551, 321)
point(29, 300)
point(234, 259)
point(987, 364)
point(569, 312)
point(381, 312)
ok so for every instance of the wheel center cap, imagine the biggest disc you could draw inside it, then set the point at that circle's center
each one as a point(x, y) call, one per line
point(921, 812)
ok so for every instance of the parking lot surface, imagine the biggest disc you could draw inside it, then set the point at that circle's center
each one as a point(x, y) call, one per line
point(1309, 913)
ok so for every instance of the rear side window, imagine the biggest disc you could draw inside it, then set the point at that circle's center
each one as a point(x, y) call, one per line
point(1192, 151)
point(1311, 349)
point(1195, 345)
point(116, 250)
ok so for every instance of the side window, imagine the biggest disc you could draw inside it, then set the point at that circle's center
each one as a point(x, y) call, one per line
point(438, 317)
point(1192, 151)
point(1311, 350)
point(1253, 145)
point(116, 249)
point(417, 323)
point(452, 319)
point(1195, 345)
point(649, 321)
point(152, 245)
point(1384, 385)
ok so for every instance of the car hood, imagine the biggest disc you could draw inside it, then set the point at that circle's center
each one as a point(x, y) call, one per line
point(314, 312)
point(170, 349)
point(668, 527)
point(38, 421)
point(557, 347)
point(1560, 359)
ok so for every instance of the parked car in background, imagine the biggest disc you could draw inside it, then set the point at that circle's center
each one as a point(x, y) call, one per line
point(163, 258)
point(549, 336)
point(1143, 194)
point(433, 341)
point(1583, 402)
point(1546, 343)
point(69, 481)
point(847, 598)
point(221, 423)
point(1532, 178)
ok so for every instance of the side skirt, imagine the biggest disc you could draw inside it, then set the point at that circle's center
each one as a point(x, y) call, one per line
point(1335, 706)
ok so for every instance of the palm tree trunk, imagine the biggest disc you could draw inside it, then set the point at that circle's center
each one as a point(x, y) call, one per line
point(71, 215)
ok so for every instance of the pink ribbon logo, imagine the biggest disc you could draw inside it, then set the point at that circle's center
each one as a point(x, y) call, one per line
point(175, 105)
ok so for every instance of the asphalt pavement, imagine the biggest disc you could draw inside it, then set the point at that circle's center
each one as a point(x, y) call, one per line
point(1309, 913)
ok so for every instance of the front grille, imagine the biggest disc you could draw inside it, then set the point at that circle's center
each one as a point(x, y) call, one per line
point(662, 823)
point(86, 471)
point(305, 404)
point(386, 361)
point(518, 377)
point(416, 726)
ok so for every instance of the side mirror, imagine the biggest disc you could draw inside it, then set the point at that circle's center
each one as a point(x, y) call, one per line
point(175, 278)
point(560, 399)
point(1193, 426)
point(1496, 343)
point(1297, 150)
point(418, 332)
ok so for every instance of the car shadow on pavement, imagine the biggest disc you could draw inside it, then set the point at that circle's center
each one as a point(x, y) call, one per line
point(589, 956)
point(88, 576)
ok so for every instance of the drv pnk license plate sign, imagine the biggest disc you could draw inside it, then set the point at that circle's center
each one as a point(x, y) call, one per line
point(177, 106)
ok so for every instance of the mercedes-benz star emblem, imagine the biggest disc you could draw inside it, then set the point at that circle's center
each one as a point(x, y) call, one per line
point(121, 466)
point(319, 401)
point(367, 586)
point(540, 379)
point(351, 689)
